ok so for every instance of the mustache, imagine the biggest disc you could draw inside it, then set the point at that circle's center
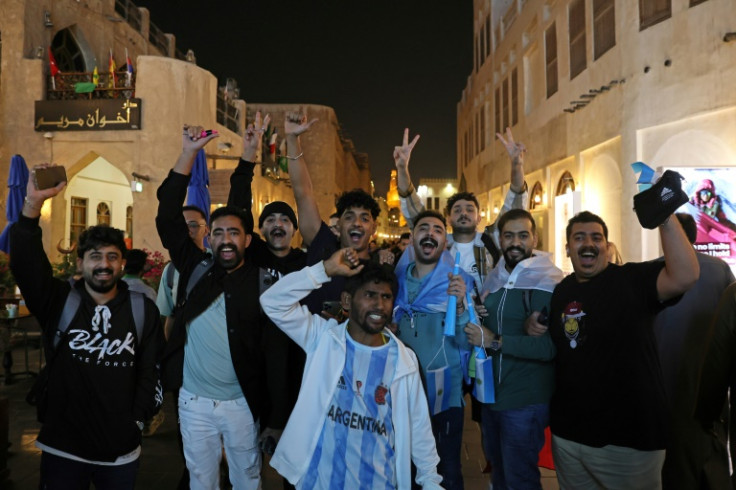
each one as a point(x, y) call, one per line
point(592, 250)
point(429, 241)
point(512, 248)
point(277, 230)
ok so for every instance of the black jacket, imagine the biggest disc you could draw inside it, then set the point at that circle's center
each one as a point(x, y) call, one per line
point(257, 351)
point(100, 382)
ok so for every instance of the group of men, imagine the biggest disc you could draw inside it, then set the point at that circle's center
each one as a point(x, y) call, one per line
point(377, 384)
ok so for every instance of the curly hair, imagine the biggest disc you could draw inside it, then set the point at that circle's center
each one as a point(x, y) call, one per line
point(98, 236)
point(372, 273)
point(357, 198)
point(461, 196)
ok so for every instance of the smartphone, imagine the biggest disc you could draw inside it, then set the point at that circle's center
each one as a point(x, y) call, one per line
point(543, 317)
point(332, 307)
point(45, 178)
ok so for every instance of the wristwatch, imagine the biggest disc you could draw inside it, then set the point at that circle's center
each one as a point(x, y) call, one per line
point(496, 344)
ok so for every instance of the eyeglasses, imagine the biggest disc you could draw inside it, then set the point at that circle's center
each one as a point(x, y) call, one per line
point(194, 225)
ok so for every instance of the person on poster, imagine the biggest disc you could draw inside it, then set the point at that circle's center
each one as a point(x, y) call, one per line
point(709, 203)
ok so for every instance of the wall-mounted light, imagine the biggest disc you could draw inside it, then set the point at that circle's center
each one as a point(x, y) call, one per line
point(141, 177)
point(136, 186)
point(47, 19)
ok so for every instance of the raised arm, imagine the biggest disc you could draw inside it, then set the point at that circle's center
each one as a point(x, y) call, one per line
point(308, 212)
point(241, 180)
point(410, 203)
point(192, 142)
point(681, 269)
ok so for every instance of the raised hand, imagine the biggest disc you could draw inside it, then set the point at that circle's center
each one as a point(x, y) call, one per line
point(516, 150)
point(35, 197)
point(403, 153)
point(295, 124)
point(253, 137)
point(344, 263)
point(192, 139)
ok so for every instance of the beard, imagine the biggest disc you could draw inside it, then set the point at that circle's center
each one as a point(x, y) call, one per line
point(231, 263)
point(511, 261)
point(101, 285)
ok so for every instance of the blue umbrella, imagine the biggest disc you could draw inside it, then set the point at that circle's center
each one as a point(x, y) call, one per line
point(198, 193)
point(17, 182)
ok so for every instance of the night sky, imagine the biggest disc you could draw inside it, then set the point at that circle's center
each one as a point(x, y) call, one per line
point(381, 64)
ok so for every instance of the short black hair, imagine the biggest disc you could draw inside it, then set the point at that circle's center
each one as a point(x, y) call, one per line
point(461, 196)
point(586, 217)
point(375, 273)
point(245, 217)
point(98, 236)
point(196, 209)
point(514, 214)
point(688, 224)
point(357, 198)
point(428, 213)
point(135, 261)
point(405, 236)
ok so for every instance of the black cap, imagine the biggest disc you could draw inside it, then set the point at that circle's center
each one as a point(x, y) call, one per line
point(278, 207)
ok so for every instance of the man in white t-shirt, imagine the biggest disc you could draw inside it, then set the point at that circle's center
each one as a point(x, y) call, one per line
point(362, 417)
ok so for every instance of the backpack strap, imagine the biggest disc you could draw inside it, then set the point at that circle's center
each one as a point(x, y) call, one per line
point(71, 305)
point(199, 271)
point(170, 269)
point(139, 313)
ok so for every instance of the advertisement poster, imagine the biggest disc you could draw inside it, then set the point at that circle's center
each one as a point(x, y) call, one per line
point(712, 194)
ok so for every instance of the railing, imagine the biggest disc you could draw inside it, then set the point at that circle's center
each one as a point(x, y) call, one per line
point(227, 114)
point(64, 86)
point(157, 37)
point(129, 11)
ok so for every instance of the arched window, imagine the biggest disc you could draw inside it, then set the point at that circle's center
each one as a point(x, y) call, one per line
point(537, 196)
point(103, 214)
point(129, 221)
point(68, 55)
point(565, 184)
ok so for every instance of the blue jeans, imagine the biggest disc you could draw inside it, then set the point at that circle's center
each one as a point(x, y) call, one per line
point(515, 438)
point(58, 473)
point(447, 428)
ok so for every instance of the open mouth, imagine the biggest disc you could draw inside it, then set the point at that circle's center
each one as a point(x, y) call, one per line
point(355, 235)
point(226, 252)
point(103, 274)
point(428, 245)
point(278, 233)
point(588, 256)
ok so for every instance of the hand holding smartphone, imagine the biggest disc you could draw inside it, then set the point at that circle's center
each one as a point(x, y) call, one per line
point(48, 177)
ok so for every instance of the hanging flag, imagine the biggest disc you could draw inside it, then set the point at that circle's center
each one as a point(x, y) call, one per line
point(95, 77)
point(272, 142)
point(111, 69)
point(54, 68)
point(128, 70)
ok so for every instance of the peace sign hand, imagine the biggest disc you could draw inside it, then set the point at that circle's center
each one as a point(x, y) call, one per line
point(516, 150)
point(403, 153)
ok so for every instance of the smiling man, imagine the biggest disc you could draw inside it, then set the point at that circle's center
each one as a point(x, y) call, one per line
point(103, 377)
point(608, 413)
point(424, 288)
point(216, 354)
point(523, 372)
point(362, 416)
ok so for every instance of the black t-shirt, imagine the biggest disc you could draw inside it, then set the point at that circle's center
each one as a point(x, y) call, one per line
point(609, 387)
point(325, 244)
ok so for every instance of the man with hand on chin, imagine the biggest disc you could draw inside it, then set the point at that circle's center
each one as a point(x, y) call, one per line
point(362, 412)
point(103, 377)
point(424, 288)
point(216, 354)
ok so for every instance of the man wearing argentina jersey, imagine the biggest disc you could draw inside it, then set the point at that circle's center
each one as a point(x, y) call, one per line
point(425, 284)
point(361, 418)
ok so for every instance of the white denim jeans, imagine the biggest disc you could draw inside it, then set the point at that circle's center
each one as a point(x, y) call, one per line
point(207, 425)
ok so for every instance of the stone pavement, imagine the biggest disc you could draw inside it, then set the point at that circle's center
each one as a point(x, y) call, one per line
point(161, 465)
